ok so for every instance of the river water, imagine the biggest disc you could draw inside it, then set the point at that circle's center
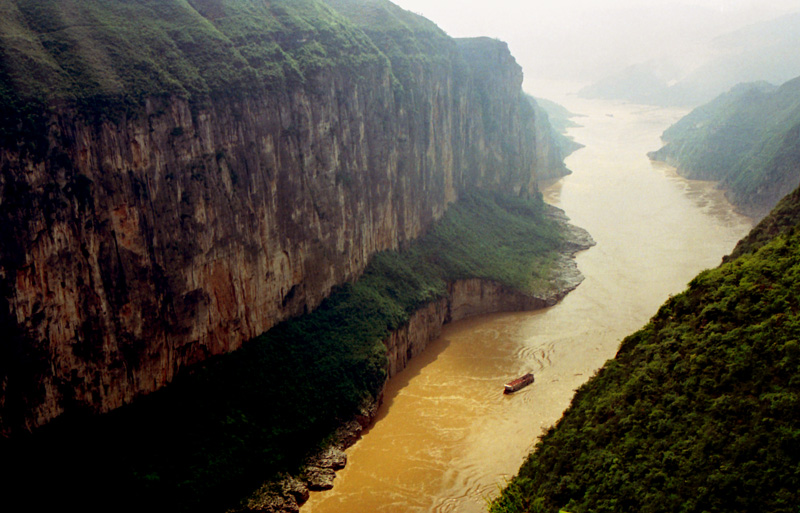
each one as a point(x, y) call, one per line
point(446, 438)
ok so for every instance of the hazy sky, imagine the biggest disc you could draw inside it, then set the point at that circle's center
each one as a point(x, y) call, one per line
point(584, 40)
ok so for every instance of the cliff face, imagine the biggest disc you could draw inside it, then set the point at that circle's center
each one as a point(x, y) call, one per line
point(134, 245)
point(466, 298)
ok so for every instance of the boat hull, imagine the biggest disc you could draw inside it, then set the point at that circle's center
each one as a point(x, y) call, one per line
point(517, 384)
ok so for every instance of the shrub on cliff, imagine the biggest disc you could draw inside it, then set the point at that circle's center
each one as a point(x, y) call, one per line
point(107, 57)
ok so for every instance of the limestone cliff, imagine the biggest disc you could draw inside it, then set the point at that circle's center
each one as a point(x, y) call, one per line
point(466, 298)
point(196, 213)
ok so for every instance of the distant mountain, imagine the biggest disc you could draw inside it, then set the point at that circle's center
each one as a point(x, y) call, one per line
point(748, 139)
point(641, 83)
point(560, 116)
point(765, 51)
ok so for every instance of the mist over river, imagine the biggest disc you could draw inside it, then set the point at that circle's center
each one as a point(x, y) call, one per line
point(446, 438)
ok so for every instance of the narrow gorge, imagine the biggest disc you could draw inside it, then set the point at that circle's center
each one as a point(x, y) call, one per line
point(225, 223)
point(250, 248)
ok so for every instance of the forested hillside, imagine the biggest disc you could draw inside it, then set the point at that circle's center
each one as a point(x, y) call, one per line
point(700, 410)
point(747, 139)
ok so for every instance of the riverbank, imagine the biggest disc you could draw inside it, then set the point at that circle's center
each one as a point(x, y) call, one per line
point(465, 298)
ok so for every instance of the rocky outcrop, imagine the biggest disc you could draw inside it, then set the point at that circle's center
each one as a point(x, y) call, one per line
point(412, 338)
point(286, 495)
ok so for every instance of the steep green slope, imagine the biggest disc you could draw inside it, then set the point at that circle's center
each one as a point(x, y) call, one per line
point(783, 219)
point(407, 39)
point(699, 411)
point(112, 54)
point(746, 139)
point(90, 49)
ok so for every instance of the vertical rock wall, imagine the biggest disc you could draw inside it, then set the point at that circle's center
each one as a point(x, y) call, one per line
point(138, 246)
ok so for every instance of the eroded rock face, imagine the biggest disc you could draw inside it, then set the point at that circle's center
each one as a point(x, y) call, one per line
point(412, 338)
point(285, 496)
point(130, 249)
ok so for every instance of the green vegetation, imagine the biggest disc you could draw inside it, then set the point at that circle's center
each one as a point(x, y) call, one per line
point(107, 57)
point(783, 219)
point(699, 411)
point(746, 139)
point(219, 430)
point(411, 43)
point(495, 237)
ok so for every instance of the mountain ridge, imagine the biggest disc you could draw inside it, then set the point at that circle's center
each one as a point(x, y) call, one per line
point(745, 139)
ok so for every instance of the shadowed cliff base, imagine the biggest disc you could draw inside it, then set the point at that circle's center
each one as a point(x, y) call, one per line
point(465, 298)
point(220, 431)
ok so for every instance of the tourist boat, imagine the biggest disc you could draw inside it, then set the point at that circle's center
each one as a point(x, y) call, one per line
point(521, 382)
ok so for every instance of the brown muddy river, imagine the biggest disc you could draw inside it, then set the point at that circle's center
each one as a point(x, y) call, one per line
point(446, 437)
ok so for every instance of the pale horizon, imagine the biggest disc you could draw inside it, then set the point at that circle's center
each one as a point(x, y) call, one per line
point(580, 41)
